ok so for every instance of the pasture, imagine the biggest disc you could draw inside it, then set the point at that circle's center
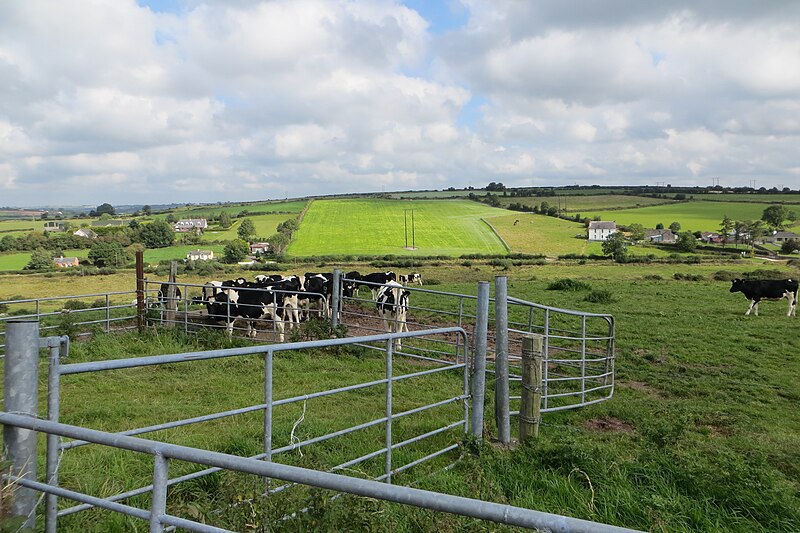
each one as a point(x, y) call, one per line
point(273, 206)
point(757, 198)
point(581, 203)
point(265, 227)
point(701, 434)
point(370, 227)
point(692, 216)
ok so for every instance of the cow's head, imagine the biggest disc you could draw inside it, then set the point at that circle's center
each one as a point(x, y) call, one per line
point(737, 285)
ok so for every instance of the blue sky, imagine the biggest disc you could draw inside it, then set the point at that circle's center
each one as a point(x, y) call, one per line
point(193, 101)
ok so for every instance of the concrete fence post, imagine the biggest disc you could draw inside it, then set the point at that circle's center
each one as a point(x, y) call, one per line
point(335, 296)
point(20, 396)
point(140, 292)
point(530, 408)
point(501, 398)
point(171, 298)
point(478, 389)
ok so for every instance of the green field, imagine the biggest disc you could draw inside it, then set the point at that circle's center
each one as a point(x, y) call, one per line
point(692, 216)
point(369, 227)
point(18, 260)
point(757, 198)
point(155, 255)
point(291, 206)
point(579, 204)
point(265, 227)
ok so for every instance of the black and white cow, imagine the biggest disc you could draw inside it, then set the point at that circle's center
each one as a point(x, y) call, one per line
point(414, 277)
point(291, 289)
point(249, 304)
point(377, 278)
point(163, 291)
point(392, 303)
point(757, 290)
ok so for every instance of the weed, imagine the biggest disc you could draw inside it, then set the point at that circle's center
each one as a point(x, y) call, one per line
point(568, 284)
point(600, 296)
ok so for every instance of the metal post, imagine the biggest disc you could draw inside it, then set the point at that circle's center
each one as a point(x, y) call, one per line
point(108, 314)
point(53, 397)
point(140, 291)
point(158, 505)
point(336, 296)
point(479, 360)
point(501, 399)
point(530, 407)
point(268, 406)
point(21, 391)
point(388, 440)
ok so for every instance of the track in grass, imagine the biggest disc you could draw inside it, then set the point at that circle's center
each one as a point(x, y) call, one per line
point(370, 227)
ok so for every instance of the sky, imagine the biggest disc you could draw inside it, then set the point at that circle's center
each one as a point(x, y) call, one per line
point(173, 101)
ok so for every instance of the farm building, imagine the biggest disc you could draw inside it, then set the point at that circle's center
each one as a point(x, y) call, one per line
point(200, 255)
point(85, 232)
point(781, 236)
point(665, 236)
point(66, 262)
point(600, 231)
point(710, 237)
point(259, 248)
point(110, 223)
point(53, 225)
point(186, 225)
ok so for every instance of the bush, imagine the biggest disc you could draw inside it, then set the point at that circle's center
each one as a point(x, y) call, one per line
point(688, 277)
point(653, 277)
point(568, 284)
point(601, 296)
point(724, 275)
point(73, 305)
point(764, 274)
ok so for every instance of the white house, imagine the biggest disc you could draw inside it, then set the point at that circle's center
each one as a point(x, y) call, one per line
point(186, 225)
point(200, 255)
point(600, 230)
point(259, 248)
point(85, 232)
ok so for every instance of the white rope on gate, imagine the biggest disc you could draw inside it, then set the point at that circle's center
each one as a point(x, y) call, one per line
point(292, 436)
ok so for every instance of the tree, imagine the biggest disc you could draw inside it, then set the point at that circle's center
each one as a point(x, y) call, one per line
point(790, 246)
point(104, 209)
point(147, 210)
point(756, 229)
point(157, 234)
point(659, 226)
point(675, 227)
point(774, 216)
point(739, 229)
point(236, 251)
point(246, 229)
point(686, 242)
point(171, 218)
point(636, 232)
point(616, 247)
point(725, 229)
point(41, 259)
point(105, 254)
point(224, 220)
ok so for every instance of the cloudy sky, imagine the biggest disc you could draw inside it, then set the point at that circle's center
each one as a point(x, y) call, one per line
point(156, 101)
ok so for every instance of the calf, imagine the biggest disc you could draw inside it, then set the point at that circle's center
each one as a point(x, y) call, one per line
point(757, 290)
point(392, 304)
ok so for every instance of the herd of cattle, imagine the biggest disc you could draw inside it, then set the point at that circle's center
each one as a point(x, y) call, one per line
point(289, 300)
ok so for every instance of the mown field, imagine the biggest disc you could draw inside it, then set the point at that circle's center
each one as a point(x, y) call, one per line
point(701, 434)
point(581, 203)
point(757, 198)
point(265, 227)
point(693, 216)
point(368, 227)
point(291, 206)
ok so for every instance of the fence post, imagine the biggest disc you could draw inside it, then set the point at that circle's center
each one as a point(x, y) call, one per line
point(501, 399)
point(530, 408)
point(171, 303)
point(479, 360)
point(20, 396)
point(335, 296)
point(158, 504)
point(140, 291)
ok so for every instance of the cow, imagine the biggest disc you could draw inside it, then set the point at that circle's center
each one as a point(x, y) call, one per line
point(414, 277)
point(757, 290)
point(248, 304)
point(376, 278)
point(163, 292)
point(318, 284)
point(392, 303)
point(290, 288)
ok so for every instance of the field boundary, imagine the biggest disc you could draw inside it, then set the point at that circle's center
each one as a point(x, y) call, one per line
point(502, 240)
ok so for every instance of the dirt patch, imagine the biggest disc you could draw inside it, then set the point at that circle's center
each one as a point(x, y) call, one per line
point(608, 424)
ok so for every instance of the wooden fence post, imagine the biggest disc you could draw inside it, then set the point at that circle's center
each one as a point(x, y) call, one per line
point(530, 408)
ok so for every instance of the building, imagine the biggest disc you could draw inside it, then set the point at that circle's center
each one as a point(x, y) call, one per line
point(200, 255)
point(780, 237)
point(185, 225)
point(260, 248)
point(85, 232)
point(710, 237)
point(108, 223)
point(53, 225)
point(663, 236)
point(600, 231)
point(66, 262)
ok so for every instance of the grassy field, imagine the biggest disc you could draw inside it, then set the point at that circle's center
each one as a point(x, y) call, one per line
point(265, 227)
point(18, 260)
point(291, 206)
point(370, 227)
point(693, 216)
point(579, 204)
point(18, 227)
point(701, 435)
point(757, 198)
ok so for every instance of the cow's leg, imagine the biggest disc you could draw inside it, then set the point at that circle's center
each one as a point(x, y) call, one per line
point(229, 328)
point(753, 303)
point(755, 307)
point(280, 325)
point(792, 303)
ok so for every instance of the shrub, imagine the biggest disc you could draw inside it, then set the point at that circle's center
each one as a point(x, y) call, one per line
point(762, 273)
point(724, 275)
point(653, 277)
point(688, 277)
point(601, 296)
point(568, 284)
point(73, 305)
point(432, 281)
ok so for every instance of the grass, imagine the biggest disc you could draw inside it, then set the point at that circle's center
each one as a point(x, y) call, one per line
point(154, 255)
point(368, 227)
point(291, 206)
point(701, 434)
point(579, 204)
point(18, 260)
point(692, 216)
point(757, 198)
point(265, 227)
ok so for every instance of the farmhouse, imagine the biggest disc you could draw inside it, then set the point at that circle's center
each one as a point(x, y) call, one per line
point(85, 232)
point(186, 225)
point(66, 262)
point(665, 236)
point(260, 248)
point(200, 255)
point(710, 237)
point(781, 236)
point(110, 223)
point(600, 231)
point(53, 225)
